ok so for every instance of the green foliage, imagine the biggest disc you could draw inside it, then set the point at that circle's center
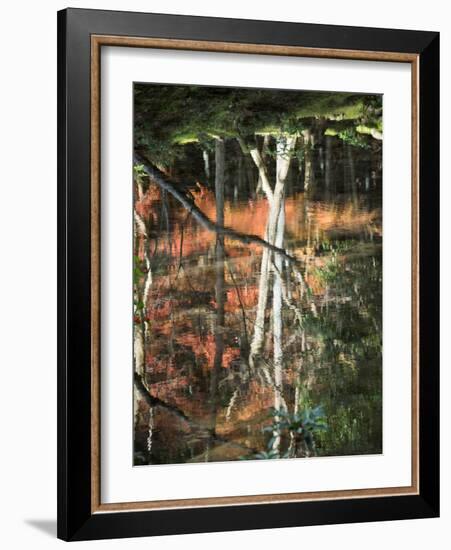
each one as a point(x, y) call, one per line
point(328, 273)
point(138, 170)
point(351, 136)
point(139, 305)
point(366, 122)
point(304, 423)
point(302, 426)
point(138, 270)
point(347, 354)
point(167, 117)
point(139, 174)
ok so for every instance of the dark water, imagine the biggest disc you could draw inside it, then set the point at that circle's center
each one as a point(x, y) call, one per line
point(200, 322)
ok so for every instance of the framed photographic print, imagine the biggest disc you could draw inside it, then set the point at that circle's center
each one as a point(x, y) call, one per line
point(248, 274)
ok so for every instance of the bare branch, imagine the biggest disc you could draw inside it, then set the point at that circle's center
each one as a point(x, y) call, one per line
point(188, 202)
point(153, 401)
point(260, 164)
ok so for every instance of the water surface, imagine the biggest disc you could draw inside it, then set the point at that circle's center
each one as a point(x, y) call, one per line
point(212, 397)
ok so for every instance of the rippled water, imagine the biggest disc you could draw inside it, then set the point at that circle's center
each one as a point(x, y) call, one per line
point(209, 403)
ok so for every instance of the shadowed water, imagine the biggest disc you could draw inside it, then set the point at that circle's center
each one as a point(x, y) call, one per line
point(212, 396)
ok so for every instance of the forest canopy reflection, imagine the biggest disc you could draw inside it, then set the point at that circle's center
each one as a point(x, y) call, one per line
point(257, 274)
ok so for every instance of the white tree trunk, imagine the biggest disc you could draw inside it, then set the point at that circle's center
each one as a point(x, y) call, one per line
point(262, 175)
point(206, 160)
point(284, 149)
point(263, 158)
point(308, 173)
point(138, 349)
point(141, 333)
point(278, 326)
point(259, 325)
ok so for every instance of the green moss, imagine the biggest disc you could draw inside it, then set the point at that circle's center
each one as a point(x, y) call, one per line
point(168, 117)
point(183, 139)
point(367, 130)
point(331, 132)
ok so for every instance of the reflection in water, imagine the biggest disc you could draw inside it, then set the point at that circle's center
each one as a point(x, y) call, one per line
point(239, 349)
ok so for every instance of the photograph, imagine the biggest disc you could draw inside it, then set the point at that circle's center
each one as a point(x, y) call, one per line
point(257, 273)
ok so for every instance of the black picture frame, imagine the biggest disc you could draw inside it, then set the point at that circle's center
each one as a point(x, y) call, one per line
point(76, 521)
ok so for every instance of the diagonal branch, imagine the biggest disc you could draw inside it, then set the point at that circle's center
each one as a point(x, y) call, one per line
point(257, 157)
point(260, 164)
point(153, 401)
point(188, 202)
